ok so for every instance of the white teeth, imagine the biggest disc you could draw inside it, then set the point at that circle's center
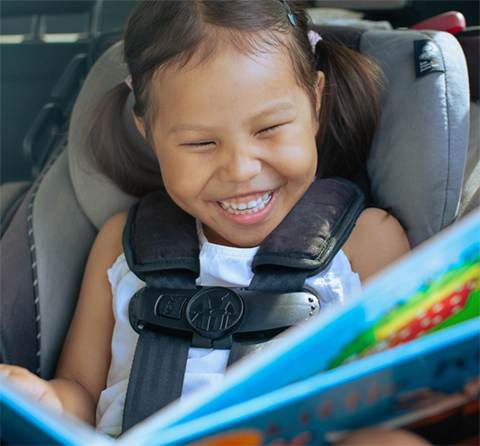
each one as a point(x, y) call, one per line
point(247, 208)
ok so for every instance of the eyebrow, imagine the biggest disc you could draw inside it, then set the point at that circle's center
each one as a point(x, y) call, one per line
point(278, 108)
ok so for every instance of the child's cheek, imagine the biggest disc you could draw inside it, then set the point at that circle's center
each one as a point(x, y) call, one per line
point(298, 158)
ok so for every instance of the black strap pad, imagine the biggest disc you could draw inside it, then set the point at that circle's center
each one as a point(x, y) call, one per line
point(159, 237)
point(314, 231)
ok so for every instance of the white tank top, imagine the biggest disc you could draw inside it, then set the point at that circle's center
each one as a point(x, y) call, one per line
point(219, 266)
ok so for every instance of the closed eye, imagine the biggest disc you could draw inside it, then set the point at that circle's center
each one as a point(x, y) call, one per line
point(270, 129)
point(198, 144)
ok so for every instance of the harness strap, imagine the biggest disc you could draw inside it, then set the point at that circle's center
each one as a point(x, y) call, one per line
point(244, 347)
point(278, 279)
point(158, 367)
point(159, 360)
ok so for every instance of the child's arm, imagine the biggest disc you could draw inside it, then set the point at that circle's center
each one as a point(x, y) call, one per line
point(377, 240)
point(83, 367)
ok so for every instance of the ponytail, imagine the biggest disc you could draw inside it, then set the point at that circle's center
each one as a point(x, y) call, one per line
point(133, 166)
point(350, 110)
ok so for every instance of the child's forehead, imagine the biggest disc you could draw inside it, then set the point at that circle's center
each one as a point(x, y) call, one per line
point(226, 68)
point(224, 71)
point(221, 43)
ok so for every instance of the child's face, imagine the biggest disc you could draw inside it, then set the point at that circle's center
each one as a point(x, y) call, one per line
point(235, 139)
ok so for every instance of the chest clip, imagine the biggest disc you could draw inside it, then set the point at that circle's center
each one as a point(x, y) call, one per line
point(214, 315)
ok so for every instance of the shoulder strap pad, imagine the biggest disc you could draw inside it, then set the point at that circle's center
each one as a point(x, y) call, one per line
point(166, 241)
point(313, 232)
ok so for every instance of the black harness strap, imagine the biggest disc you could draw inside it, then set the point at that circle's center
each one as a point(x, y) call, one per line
point(278, 279)
point(171, 313)
point(159, 361)
point(245, 347)
point(158, 368)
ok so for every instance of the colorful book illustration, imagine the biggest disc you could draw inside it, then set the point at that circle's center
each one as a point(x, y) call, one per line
point(404, 353)
point(443, 301)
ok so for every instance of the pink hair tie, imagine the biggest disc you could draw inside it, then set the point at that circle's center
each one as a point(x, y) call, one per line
point(128, 81)
point(314, 39)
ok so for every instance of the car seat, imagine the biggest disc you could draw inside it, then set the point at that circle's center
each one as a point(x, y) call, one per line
point(416, 169)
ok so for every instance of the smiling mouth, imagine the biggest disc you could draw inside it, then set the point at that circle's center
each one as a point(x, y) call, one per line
point(249, 207)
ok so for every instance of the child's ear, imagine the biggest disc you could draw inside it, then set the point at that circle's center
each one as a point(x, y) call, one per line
point(139, 124)
point(319, 90)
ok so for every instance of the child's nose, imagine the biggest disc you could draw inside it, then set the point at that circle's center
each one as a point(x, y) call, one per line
point(240, 164)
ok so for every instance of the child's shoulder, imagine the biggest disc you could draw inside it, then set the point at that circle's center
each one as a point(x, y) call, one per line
point(113, 228)
point(115, 223)
point(109, 238)
point(105, 251)
point(377, 240)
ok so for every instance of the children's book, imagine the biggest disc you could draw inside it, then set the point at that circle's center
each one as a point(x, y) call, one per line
point(403, 353)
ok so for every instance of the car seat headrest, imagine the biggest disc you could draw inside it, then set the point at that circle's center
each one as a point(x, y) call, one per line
point(97, 195)
point(418, 155)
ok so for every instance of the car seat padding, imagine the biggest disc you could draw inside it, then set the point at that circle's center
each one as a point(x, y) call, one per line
point(421, 143)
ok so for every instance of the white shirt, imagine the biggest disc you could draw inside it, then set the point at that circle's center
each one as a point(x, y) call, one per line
point(219, 266)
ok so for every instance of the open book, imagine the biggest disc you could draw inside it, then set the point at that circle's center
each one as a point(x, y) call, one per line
point(403, 352)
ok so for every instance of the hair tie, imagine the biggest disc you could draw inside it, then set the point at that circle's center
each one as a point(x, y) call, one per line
point(128, 81)
point(314, 38)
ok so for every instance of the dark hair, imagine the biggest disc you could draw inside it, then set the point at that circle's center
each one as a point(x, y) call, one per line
point(167, 33)
point(351, 108)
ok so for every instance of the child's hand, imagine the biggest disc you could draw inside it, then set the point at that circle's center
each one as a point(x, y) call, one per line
point(36, 387)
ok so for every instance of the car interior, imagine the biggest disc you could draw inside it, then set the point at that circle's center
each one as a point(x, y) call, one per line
point(59, 57)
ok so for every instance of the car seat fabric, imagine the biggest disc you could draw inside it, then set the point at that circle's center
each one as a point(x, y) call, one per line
point(97, 195)
point(420, 147)
point(62, 247)
point(44, 250)
point(11, 196)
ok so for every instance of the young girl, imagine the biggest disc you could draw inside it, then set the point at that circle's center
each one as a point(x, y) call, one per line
point(240, 119)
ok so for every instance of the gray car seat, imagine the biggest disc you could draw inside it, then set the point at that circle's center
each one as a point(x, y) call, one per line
point(416, 170)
